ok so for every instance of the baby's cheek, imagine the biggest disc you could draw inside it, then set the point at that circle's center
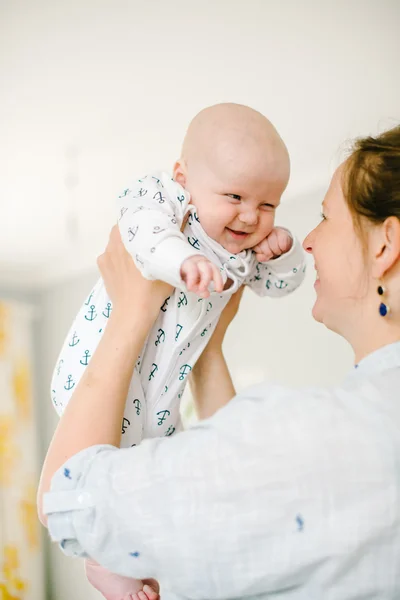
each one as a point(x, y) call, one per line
point(214, 223)
point(260, 235)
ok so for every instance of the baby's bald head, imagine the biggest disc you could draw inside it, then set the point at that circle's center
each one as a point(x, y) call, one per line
point(235, 167)
point(236, 140)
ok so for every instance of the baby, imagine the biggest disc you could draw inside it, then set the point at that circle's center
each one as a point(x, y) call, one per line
point(207, 231)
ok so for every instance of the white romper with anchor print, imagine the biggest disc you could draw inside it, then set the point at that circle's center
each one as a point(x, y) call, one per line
point(151, 213)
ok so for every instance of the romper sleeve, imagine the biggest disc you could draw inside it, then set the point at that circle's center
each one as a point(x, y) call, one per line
point(280, 276)
point(150, 216)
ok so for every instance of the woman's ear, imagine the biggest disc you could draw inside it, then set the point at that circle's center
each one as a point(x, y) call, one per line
point(180, 172)
point(385, 242)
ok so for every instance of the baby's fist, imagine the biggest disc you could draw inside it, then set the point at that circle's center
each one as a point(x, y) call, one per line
point(198, 272)
point(278, 241)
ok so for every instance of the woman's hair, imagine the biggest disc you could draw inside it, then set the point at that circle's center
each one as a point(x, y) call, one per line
point(371, 179)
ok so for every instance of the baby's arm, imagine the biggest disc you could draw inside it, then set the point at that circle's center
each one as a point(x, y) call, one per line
point(151, 215)
point(279, 276)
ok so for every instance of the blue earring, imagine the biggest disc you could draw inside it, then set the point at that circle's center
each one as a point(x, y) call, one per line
point(384, 309)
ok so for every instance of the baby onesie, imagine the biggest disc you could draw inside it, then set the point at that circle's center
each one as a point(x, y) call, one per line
point(151, 213)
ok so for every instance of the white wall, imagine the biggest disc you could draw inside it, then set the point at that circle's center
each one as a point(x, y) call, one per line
point(94, 91)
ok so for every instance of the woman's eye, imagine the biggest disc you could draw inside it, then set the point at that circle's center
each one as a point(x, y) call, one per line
point(234, 196)
point(323, 217)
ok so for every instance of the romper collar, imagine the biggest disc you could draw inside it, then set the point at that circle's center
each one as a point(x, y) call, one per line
point(236, 266)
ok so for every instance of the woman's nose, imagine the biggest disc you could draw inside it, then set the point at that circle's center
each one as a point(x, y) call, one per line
point(308, 242)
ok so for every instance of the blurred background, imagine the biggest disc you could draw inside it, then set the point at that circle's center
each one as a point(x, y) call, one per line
point(94, 93)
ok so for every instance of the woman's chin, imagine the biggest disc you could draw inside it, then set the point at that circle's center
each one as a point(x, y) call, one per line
point(316, 312)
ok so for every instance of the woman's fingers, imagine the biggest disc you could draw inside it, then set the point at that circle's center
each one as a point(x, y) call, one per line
point(115, 243)
point(124, 282)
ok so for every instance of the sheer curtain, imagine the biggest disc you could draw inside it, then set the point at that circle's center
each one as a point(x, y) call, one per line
point(21, 559)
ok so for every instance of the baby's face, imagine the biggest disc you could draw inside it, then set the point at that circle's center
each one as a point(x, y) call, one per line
point(236, 210)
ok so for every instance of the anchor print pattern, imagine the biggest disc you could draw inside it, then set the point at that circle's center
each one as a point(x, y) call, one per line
point(160, 337)
point(194, 242)
point(91, 315)
point(147, 212)
point(162, 415)
point(107, 311)
point(182, 300)
point(85, 360)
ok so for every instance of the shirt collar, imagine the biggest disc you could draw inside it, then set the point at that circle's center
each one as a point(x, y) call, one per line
point(387, 357)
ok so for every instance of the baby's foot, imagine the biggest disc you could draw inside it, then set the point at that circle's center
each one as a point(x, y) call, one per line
point(117, 587)
point(147, 593)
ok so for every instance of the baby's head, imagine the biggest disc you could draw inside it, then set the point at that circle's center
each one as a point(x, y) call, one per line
point(235, 166)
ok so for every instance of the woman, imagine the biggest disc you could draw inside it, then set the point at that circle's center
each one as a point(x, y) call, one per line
point(289, 492)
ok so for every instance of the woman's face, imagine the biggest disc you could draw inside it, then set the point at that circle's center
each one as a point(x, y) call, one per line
point(341, 281)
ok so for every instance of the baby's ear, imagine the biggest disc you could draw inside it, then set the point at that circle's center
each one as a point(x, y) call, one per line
point(179, 172)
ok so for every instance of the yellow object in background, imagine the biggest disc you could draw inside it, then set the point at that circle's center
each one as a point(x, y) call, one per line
point(21, 564)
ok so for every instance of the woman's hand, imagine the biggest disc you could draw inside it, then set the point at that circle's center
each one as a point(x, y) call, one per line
point(128, 289)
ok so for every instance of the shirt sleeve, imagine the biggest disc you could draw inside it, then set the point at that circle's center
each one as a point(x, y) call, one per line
point(150, 217)
point(279, 276)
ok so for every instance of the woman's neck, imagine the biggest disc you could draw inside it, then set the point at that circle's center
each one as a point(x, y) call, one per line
point(371, 339)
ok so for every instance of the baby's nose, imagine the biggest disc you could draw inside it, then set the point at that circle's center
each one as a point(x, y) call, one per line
point(250, 217)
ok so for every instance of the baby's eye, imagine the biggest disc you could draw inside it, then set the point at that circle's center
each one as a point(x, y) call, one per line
point(323, 217)
point(234, 196)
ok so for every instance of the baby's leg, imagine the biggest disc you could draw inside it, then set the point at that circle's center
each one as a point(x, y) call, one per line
point(79, 346)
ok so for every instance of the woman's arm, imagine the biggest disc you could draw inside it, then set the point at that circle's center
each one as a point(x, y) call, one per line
point(95, 411)
point(210, 381)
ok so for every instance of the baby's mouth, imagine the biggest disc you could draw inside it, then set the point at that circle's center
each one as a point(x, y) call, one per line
point(237, 235)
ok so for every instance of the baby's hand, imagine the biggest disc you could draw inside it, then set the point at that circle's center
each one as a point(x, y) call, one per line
point(278, 242)
point(198, 272)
